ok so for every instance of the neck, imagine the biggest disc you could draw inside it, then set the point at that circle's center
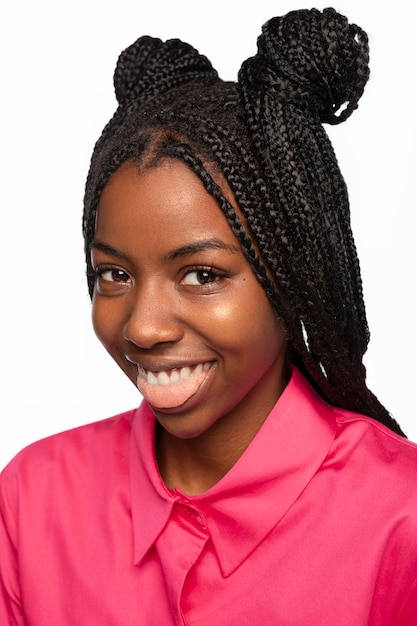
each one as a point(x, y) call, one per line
point(195, 465)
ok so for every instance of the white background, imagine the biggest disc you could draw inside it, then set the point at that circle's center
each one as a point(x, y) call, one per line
point(57, 66)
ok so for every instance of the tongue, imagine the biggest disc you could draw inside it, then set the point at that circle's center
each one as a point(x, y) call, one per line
point(172, 395)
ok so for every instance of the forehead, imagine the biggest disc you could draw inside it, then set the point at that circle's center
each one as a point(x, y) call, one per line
point(165, 205)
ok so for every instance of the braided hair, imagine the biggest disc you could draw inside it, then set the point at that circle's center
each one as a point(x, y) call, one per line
point(264, 134)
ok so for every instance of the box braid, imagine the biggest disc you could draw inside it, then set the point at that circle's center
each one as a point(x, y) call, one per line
point(264, 135)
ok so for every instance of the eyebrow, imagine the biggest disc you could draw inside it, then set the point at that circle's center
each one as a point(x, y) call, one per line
point(188, 249)
point(201, 246)
point(98, 245)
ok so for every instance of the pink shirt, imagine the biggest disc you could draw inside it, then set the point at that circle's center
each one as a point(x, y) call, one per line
point(316, 524)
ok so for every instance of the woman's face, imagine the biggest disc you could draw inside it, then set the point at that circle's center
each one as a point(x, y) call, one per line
point(177, 305)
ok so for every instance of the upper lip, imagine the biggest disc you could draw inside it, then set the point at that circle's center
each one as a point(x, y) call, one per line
point(163, 365)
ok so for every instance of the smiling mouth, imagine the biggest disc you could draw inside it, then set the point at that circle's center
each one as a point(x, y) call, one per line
point(171, 388)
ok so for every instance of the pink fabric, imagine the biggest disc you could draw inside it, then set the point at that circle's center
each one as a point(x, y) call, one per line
point(315, 524)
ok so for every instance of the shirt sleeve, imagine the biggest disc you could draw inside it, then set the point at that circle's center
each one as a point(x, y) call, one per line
point(10, 601)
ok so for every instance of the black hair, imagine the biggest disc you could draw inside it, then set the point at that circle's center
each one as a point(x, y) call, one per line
point(265, 134)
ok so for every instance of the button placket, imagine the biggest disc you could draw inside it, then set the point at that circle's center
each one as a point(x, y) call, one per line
point(179, 546)
point(193, 512)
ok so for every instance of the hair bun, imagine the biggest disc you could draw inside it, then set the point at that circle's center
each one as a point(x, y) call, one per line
point(316, 60)
point(150, 67)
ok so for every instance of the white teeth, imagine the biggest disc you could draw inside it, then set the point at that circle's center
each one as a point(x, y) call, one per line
point(175, 377)
point(172, 376)
point(163, 378)
point(152, 379)
point(185, 372)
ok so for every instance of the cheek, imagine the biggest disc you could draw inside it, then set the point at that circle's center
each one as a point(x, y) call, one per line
point(224, 325)
point(103, 323)
point(264, 333)
point(274, 335)
point(246, 326)
point(107, 326)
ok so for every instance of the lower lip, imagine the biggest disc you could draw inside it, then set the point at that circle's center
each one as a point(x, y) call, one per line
point(177, 395)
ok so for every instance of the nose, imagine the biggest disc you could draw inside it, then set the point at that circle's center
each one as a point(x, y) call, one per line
point(152, 318)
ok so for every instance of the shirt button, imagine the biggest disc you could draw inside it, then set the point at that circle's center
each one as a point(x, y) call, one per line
point(193, 513)
point(197, 517)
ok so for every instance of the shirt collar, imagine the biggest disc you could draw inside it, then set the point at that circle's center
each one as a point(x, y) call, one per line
point(243, 507)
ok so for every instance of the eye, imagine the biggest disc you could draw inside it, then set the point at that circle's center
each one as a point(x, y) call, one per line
point(111, 281)
point(203, 276)
point(113, 275)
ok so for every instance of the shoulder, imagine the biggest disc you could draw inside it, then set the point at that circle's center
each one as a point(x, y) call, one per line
point(357, 438)
point(367, 434)
point(375, 459)
point(69, 455)
point(91, 437)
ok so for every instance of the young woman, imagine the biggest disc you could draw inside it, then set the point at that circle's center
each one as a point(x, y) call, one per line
point(260, 481)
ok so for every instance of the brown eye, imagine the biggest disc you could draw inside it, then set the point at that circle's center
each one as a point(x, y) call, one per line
point(113, 275)
point(200, 277)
